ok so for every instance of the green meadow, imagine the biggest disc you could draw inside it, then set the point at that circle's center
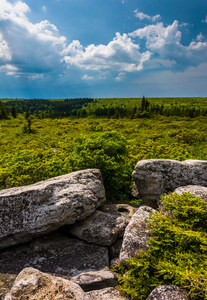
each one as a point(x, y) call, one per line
point(50, 147)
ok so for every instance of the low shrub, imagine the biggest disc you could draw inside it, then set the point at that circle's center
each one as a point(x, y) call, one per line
point(177, 253)
point(106, 151)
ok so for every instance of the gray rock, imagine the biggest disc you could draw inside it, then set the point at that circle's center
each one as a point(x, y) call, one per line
point(168, 292)
point(100, 228)
point(54, 254)
point(197, 190)
point(31, 211)
point(32, 284)
point(136, 235)
point(106, 294)
point(154, 177)
point(96, 280)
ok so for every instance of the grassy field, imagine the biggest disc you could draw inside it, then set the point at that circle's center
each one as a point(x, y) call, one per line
point(26, 158)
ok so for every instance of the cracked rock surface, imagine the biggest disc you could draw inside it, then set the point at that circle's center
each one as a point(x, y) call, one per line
point(34, 210)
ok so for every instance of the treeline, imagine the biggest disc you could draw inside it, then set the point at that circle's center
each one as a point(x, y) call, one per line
point(146, 109)
point(84, 107)
point(44, 108)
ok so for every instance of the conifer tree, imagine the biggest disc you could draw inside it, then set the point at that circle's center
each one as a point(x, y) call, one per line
point(3, 111)
point(13, 111)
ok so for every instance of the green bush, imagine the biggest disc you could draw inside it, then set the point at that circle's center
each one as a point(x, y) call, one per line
point(106, 151)
point(177, 252)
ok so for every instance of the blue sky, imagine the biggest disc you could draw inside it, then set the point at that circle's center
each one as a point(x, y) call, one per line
point(103, 48)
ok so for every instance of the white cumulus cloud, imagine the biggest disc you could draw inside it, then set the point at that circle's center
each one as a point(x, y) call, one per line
point(30, 48)
point(166, 42)
point(33, 49)
point(121, 54)
point(142, 16)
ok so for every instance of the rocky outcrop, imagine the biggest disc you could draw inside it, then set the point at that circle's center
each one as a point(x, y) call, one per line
point(96, 280)
point(168, 292)
point(32, 284)
point(55, 254)
point(100, 228)
point(136, 234)
point(31, 211)
point(197, 190)
point(79, 267)
point(154, 177)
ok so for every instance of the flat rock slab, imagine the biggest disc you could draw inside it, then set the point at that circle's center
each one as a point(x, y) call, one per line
point(100, 228)
point(168, 292)
point(196, 190)
point(31, 211)
point(154, 177)
point(54, 254)
point(32, 284)
point(96, 280)
point(106, 294)
point(136, 235)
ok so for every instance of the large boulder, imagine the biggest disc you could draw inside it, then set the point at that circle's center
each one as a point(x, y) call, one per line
point(196, 190)
point(55, 254)
point(31, 211)
point(154, 177)
point(100, 228)
point(136, 234)
point(168, 292)
point(32, 284)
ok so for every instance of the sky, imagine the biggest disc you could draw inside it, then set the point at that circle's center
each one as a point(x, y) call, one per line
point(103, 48)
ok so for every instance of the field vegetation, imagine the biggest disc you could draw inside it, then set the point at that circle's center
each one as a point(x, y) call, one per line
point(35, 147)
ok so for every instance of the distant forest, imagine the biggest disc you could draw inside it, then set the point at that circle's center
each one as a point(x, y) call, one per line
point(110, 108)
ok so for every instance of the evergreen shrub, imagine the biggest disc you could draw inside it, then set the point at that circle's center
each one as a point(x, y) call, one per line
point(177, 253)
